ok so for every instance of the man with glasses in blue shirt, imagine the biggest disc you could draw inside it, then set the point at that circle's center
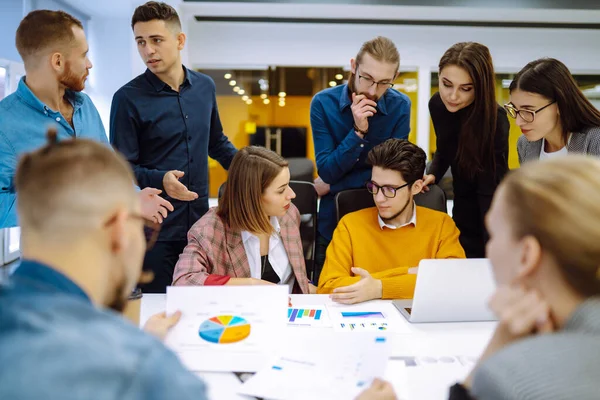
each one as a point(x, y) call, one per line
point(349, 120)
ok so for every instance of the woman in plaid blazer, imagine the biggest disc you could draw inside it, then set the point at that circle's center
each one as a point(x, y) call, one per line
point(554, 115)
point(253, 236)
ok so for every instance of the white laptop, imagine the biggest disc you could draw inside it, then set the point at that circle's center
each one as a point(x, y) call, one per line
point(451, 290)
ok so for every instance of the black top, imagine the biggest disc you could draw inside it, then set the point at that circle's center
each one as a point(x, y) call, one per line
point(472, 195)
point(447, 130)
point(267, 271)
point(158, 129)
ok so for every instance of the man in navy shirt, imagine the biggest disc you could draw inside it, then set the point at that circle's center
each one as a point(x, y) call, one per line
point(348, 121)
point(166, 123)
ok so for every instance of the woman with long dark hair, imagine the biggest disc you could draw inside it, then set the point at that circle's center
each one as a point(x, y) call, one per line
point(472, 138)
point(552, 112)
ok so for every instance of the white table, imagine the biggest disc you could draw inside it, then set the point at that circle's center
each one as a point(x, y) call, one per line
point(421, 340)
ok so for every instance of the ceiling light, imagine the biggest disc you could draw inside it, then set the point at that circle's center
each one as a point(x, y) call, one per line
point(332, 83)
point(266, 101)
point(249, 101)
point(241, 91)
point(236, 89)
point(282, 94)
point(244, 98)
point(228, 76)
point(282, 104)
point(339, 76)
point(263, 96)
point(232, 83)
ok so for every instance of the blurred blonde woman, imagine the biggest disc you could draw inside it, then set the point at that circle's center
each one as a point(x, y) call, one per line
point(544, 246)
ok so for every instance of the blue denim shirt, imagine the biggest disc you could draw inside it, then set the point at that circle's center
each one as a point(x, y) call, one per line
point(340, 153)
point(54, 344)
point(159, 129)
point(24, 120)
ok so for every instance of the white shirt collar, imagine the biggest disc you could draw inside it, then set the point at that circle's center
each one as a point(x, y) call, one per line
point(412, 221)
point(274, 223)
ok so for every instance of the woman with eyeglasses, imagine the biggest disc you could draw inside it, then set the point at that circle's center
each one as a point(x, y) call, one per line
point(544, 248)
point(554, 115)
point(253, 236)
point(472, 138)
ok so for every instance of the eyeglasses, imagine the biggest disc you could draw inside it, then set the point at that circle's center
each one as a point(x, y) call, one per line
point(151, 229)
point(368, 82)
point(388, 191)
point(527, 115)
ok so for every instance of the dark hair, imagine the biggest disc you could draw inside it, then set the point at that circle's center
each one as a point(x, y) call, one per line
point(41, 29)
point(154, 10)
point(252, 170)
point(476, 139)
point(551, 78)
point(399, 155)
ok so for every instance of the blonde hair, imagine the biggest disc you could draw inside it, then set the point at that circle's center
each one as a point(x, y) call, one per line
point(65, 188)
point(556, 202)
point(252, 170)
point(381, 49)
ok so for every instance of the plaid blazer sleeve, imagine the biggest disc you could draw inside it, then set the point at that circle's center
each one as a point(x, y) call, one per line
point(290, 235)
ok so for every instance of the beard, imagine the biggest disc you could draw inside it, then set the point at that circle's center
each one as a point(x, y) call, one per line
point(386, 220)
point(352, 87)
point(71, 81)
point(119, 297)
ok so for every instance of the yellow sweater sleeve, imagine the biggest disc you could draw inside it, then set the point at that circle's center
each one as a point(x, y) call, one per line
point(338, 262)
point(449, 245)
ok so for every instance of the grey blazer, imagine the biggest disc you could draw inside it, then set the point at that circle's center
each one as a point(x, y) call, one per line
point(587, 142)
point(561, 365)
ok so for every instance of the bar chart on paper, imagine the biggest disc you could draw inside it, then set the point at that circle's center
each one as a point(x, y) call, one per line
point(312, 316)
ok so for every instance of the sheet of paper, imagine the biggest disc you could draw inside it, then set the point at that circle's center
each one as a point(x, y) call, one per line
point(369, 317)
point(312, 316)
point(227, 328)
point(328, 367)
point(222, 385)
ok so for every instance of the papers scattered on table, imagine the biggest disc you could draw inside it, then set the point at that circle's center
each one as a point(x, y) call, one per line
point(325, 367)
point(227, 328)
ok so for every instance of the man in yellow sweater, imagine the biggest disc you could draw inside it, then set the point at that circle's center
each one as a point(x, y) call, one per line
point(374, 251)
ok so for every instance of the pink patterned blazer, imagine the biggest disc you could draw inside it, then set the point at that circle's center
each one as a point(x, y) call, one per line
point(215, 252)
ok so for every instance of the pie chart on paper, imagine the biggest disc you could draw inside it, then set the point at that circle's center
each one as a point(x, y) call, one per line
point(224, 329)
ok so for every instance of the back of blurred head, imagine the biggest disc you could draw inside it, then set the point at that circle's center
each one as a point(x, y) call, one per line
point(545, 227)
point(78, 212)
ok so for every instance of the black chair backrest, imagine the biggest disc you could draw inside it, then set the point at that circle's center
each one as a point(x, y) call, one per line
point(306, 203)
point(351, 200)
point(301, 169)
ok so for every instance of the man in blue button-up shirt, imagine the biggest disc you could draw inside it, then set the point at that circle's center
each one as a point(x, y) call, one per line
point(54, 51)
point(166, 123)
point(348, 121)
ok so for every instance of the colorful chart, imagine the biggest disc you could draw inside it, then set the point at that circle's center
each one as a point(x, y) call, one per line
point(301, 313)
point(373, 326)
point(224, 329)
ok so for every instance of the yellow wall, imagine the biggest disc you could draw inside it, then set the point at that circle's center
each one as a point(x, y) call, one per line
point(235, 114)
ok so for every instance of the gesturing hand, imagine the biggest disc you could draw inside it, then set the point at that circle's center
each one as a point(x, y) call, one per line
point(176, 189)
point(154, 207)
point(362, 109)
point(368, 288)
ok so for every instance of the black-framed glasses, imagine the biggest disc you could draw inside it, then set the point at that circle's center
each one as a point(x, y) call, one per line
point(151, 229)
point(368, 82)
point(526, 115)
point(388, 191)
